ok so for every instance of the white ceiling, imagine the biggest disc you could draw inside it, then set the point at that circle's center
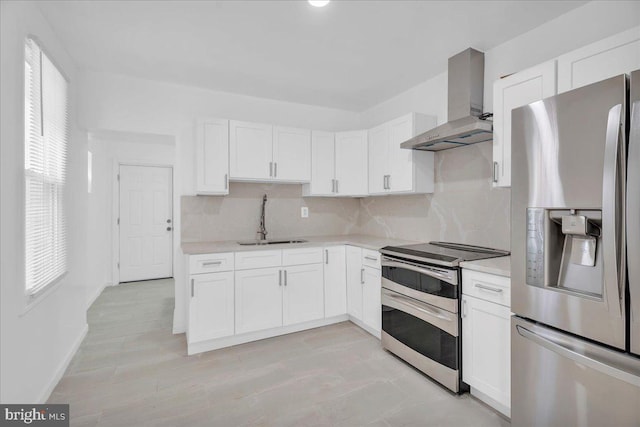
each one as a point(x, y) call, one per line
point(349, 54)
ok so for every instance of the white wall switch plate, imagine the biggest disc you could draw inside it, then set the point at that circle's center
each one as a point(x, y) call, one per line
point(304, 212)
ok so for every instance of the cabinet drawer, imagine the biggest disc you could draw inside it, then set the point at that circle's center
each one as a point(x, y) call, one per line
point(488, 287)
point(302, 256)
point(210, 263)
point(258, 259)
point(371, 258)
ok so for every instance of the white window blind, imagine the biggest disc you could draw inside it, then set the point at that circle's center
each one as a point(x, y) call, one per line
point(45, 169)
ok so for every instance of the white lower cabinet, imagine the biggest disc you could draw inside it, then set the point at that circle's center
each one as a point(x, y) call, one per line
point(354, 282)
point(302, 294)
point(486, 345)
point(258, 299)
point(371, 304)
point(211, 306)
point(363, 291)
point(335, 281)
point(250, 295)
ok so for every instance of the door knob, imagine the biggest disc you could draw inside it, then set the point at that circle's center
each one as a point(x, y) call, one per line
point(168, 228)
point(168, 221)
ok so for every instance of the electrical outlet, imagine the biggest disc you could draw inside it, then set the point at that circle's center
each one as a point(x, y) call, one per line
point(304, 212)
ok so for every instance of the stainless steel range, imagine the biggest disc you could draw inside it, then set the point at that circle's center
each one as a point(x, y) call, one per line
point(420, 306)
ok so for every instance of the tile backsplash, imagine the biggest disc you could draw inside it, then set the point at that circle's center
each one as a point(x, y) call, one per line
point(237, 215)
point(464, 208)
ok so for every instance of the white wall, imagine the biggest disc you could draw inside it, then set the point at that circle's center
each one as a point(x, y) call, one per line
point(115, 103)
point(36, 344)
point(592, 22)
point(109, 150)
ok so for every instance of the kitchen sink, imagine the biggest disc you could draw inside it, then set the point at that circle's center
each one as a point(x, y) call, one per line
point(269, 242)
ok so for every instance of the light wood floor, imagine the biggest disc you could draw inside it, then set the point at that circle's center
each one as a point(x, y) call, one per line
point(132, 371)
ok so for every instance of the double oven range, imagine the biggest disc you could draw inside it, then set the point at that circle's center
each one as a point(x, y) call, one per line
point(421, 288)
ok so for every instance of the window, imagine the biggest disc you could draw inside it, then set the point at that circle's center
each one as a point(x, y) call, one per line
point(45, 163)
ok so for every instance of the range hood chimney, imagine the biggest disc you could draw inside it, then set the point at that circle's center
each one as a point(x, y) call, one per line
point(465, 127)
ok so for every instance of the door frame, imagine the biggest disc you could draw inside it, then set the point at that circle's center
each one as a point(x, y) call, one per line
point(115, 230)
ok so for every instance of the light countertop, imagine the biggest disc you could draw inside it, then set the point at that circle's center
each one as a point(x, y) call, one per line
point(363, 241)
point(500, 266)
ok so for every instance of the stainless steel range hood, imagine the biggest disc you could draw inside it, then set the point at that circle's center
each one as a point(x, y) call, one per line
point(465, 85)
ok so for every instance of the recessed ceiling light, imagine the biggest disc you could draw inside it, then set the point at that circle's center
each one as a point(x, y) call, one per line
point(319, 3)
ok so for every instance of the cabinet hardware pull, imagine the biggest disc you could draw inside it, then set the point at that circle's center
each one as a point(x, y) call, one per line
point(370, 258)
point(362, 276)
point(192, 288)
point(496, 168)
point(226, 181)
point(208, 263)
point(388, 182)
point(285, 277)
point(337, 186)
point(384, 182)
point(270, 168)
point(464, 308)
point(333, 185)
point(326, 256)
point(488, 288)
point(275, 169)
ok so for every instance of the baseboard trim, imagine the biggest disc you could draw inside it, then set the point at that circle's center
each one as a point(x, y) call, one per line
point(359, 323)
point(489, 401)
point(202, 346)
point(96, 293)
point(62, 368)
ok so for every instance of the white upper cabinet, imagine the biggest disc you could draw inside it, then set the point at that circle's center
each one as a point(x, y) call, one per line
point(291, 154)
point(514, 91)
point(378, 159)
point(393, 170)
point(351, 163)
point(323, 170)
point(606, 58)
point(212, 156)
point(251, 151)
point(260, 152)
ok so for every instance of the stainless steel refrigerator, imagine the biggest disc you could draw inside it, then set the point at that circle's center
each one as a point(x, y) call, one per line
point(575, 269)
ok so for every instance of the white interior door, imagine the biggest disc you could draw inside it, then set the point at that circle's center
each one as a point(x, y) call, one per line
point(146, 223)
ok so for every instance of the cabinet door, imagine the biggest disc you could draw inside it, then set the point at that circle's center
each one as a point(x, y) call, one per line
point(212, 157)
point(351, 163)
point(378, 139)
point(303, 296)
point(355, 279)
point(401, 167)
point(258, 299)
point(335, 281)
point(606, 58)
point(251, 151)
point(211, 308)
point(486, 348)
point(322, 164)
point(371, 304)
point(511, 92)
point(291, 154)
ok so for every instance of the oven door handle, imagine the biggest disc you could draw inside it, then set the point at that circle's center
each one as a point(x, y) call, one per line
point(421, 308)
point(388, 263)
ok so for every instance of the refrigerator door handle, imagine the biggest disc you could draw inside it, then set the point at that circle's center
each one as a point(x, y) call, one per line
point(633, 221)
point(565, 349)
point(612, 228)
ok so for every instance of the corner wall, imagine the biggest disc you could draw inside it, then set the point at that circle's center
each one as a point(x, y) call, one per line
point(36, 342)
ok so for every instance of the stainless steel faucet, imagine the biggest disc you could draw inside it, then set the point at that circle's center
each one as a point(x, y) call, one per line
point(262, 232)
